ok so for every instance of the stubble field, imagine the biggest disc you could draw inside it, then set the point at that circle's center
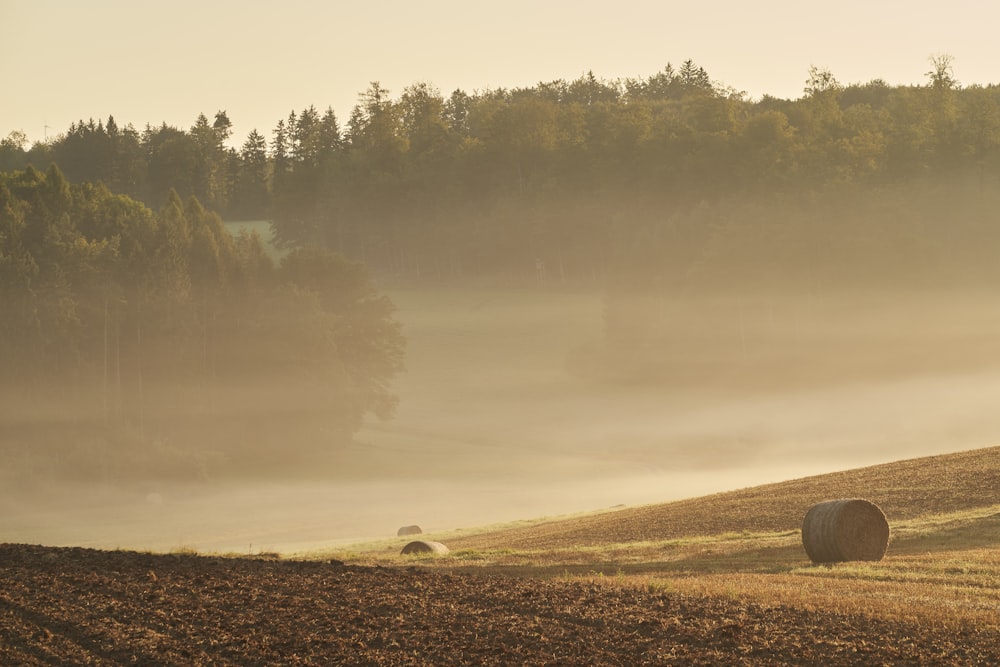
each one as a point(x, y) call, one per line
point(684, 583)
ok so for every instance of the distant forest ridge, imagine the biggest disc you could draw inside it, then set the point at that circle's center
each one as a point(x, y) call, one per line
point(128, 303)
point(562, 180)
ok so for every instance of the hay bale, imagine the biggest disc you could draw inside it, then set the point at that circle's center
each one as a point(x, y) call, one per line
point(424, 547)
point(843, 530)
point(409, 530)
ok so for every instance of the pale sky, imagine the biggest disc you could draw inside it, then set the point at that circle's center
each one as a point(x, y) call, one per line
point(152, 62)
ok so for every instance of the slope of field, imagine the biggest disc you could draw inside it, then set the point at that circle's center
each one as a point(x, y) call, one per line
point(78, 606)
point(713, 581)
point(942, 569)
point(904, 490)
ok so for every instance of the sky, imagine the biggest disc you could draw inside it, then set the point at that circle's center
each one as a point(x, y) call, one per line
point(155, 62)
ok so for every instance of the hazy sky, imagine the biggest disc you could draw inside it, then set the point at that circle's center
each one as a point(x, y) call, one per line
point(156, 62)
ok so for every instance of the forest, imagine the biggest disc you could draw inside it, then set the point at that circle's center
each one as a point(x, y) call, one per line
point(118, 272)
point(136, 342)
point(565, 180)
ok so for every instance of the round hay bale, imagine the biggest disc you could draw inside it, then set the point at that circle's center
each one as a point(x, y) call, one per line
point(424, 547)
point(843, 530)
point(409, 530)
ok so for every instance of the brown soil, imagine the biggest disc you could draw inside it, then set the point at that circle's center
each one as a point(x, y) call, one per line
point(78, 606)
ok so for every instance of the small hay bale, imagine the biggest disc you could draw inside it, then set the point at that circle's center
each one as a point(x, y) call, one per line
point(843, 530)
point(408, 530)
point(424, 547)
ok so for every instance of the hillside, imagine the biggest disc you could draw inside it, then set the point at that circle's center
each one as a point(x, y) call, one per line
point(942, 568)
point(904, 490)
point(720, 580)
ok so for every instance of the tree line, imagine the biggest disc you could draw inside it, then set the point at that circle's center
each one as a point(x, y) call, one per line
point(548, 181)
point(669, 185)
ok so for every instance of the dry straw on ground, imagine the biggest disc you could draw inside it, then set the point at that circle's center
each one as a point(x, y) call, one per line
point(424, 547)
point(409, 530)
point(845, 530)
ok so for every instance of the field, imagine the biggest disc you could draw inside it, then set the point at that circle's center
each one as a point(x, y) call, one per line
point(720, 579)
point(644, 552)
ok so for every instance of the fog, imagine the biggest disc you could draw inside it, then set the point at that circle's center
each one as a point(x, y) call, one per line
point(502, 417)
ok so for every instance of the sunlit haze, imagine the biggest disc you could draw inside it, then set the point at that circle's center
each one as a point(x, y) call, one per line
point(600, 302)
point(168, 62)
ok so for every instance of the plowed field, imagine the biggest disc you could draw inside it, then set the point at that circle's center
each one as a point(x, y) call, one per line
point(77, 606)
